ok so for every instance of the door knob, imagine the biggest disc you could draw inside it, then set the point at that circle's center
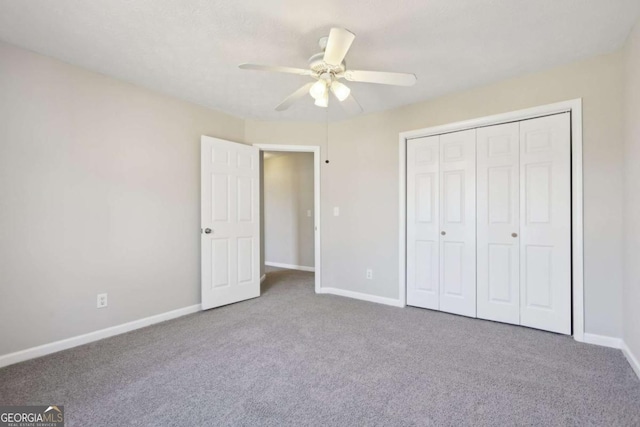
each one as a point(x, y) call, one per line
point(514, 234)
point(207, 231)
point(444, 233)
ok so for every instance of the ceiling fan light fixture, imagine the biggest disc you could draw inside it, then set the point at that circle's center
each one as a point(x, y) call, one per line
point(340, 90)
point(323, 101)
point(318, 90)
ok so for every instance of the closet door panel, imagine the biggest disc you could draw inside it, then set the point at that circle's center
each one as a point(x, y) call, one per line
point(422, 222)
point(457, 223)
point(498, 223)
point(545, 206)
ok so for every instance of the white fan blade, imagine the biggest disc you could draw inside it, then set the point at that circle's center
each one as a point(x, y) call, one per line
point(294, 97)
point(338, 45)
point(381, 77)
point(351, 105)
point(276, 69)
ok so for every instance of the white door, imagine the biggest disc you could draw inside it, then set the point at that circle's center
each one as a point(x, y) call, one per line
point(498, 223)
point(458, 223)
point(230, 235)
point(423, 243)
point(545, 231)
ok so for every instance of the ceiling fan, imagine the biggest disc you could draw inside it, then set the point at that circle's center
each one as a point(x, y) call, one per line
point(327, 68)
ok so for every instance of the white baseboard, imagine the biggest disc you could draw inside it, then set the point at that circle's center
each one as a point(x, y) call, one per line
point(290, 266)
point(54, 347)
point(262, 278)
point(602, 340)
point(633, 360)
point(361, 296)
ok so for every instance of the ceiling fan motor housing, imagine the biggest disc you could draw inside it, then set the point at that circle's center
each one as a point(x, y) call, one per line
point(319, 67)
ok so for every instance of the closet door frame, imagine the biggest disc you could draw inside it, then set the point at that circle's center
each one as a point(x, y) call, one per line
point(575, 108)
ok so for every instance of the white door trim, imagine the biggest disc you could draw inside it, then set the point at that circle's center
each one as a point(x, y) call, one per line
point(315, 149)
point(575, 108)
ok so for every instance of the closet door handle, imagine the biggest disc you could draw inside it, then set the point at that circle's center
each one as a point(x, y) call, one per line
point(514, 234)
point(444, 233)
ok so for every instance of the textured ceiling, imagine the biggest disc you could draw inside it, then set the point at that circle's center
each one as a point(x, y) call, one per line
point(191, 48)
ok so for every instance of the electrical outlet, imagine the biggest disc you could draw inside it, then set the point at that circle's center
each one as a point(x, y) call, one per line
point(369, 273)
point(336, 211)
point(102, 301)
point(309, 213)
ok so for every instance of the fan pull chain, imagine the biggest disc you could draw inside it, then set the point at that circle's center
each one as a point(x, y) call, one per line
point(327, 134)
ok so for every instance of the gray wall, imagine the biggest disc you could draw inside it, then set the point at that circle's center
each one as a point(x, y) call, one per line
point(288, 196)
point(362, 178)
point(99, 192)
point(632, 195)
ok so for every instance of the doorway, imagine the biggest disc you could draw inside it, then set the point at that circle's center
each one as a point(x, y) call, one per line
point(290, 208)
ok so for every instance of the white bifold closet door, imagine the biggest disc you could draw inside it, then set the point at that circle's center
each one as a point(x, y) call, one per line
point(423, 223)
point(524, 223)
point(545, 225)
point(458, 223)
point(498, 187)
point(441, 244)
